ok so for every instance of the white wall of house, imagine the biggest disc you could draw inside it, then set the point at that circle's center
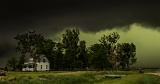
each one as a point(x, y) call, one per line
point(27, 69)
point(42, 65)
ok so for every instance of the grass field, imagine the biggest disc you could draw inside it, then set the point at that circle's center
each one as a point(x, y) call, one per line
point(78, 77)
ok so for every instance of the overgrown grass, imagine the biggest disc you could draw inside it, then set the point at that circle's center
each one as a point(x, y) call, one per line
point(79, 77)
point(48, 77)
point(151, 70)
point(135, 79)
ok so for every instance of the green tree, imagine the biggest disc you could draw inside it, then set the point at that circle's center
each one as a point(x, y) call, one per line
point(58, 56)
point(112, 40)
point(5, 68)
point(108, 44)
point(82, 55)
point(70, 44)
point(106, 50)
point(103, 55)
point(32, 43)
point(126, 54)
point(97, 58)
point(21, 61)
point(47, 49)
point(13, 62)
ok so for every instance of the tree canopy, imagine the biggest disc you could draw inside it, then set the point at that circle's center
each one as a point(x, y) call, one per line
point(71, 53)
point(30, 42)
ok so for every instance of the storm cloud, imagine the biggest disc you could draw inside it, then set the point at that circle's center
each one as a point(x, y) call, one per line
point(51, 16)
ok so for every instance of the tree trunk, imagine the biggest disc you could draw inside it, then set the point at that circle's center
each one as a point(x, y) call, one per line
point(35, 65)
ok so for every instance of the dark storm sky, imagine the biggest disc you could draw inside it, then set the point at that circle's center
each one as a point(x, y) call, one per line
point(50, 17)
point(53, 15)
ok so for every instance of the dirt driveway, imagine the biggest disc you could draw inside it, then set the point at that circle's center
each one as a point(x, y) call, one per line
point(156, 73)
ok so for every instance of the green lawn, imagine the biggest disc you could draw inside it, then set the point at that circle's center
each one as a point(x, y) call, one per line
point(79, 77)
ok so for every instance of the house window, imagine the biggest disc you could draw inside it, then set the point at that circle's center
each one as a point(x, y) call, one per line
point(46, 66)
point(41, 66)
point(44, 60)
point(30, 66)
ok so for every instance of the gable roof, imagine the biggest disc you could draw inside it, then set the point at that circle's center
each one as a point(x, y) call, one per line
point(41, 57)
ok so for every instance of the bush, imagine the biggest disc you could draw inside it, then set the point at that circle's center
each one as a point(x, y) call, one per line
point(141, 71)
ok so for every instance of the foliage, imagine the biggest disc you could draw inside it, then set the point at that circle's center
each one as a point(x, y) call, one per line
point(5, 68)
point(70, 38)
point(21, 61)
point(112, 40)
point(47, 50)
point(98, 57)
point(126, 54)
point(103, 55)
point(30, 42)
point(109, 54)
point(75, 50)
point(13, 63)
point(58, 56)
point(82, 55)
point(71, 53)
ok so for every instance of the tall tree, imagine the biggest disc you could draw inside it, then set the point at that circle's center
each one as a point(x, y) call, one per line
point(70, 43)
point(103, 55)
point(112, 39)
point(109, 45)
point(58, 56)
point(97, 57)
point(47, 48)
point(126, 54)
point(82, 55)
point(106, 50)
point(30, 42)
point(21, 61)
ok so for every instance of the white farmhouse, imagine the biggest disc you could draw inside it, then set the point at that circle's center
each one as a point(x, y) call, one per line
point(42, 65)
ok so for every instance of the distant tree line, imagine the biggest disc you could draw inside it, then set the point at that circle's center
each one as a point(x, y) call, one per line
point(71, 53)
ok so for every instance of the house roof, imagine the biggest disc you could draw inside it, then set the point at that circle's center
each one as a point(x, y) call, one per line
point(41, 57)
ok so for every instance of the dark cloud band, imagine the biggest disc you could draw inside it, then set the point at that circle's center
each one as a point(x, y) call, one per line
point(50, 16)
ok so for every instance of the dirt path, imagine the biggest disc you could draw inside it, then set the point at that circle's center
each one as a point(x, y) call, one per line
point(156, 73)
